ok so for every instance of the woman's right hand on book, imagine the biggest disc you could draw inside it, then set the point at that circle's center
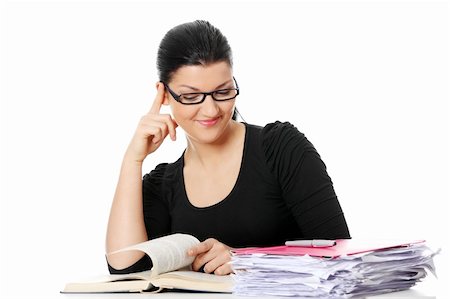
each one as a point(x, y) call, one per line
point(211, 256)
point(153, 128)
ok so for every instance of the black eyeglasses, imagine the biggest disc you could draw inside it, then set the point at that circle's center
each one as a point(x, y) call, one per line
point(193, 98)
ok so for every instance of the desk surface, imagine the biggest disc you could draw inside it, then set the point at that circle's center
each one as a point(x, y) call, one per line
point(426, 289)
point(414, 294)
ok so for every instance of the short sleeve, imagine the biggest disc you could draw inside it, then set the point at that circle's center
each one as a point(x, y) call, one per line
point(302, 176)
point(145, 263)
point(156, 215)
point(155, 205)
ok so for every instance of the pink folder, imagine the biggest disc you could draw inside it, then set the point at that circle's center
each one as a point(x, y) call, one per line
point(342, 247)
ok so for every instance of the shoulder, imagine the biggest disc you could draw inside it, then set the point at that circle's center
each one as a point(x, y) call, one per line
point(280, 134)
point(278, 128)
point(274, 128)
point(163, 172)
point(282, 140)
point(277, 135)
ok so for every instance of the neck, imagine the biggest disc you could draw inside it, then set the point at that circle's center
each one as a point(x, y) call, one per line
point(207, 154)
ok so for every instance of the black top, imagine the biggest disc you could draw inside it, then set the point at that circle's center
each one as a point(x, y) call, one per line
point(282, 192)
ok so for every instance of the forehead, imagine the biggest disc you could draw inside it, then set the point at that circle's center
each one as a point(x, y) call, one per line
point(203, 76)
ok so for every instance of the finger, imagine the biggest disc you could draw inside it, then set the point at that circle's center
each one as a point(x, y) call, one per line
point(225, 269)
point(155, 128)
point(217, 262)
point(215, 257)
point(156, 131)
point(200, 261)
point(161, 132)
point(171, 124)
point(172, 129)
point(159, 99)
point(202, 247)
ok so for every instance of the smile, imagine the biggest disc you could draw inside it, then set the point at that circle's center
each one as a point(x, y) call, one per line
point(209, 122)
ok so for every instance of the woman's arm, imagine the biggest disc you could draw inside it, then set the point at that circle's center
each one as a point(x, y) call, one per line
point(126, 220)
point(126, 224)
point(306, 187)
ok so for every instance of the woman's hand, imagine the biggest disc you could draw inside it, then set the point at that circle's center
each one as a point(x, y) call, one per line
point(213, 256)
point(152, 130)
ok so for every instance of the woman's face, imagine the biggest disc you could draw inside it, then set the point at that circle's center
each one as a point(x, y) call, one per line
point(205, 122)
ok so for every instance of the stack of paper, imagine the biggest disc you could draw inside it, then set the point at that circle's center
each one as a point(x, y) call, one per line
point(348, 272)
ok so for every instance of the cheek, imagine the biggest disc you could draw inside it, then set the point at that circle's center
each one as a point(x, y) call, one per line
point(181, 113)
point(229, 108)
point(186, 112)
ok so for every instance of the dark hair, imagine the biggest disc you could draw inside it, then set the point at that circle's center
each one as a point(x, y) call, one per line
point(193, 43)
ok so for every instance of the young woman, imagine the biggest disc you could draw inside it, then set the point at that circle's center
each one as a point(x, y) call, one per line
point(235, 185)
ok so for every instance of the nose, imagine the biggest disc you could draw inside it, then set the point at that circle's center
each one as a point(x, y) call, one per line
point(210, 107)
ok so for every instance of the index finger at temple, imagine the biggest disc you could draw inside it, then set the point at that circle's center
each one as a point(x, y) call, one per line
point(157, 103)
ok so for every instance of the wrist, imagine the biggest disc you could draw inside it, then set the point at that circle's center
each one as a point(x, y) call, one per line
point(134, 156)
point(132, 160)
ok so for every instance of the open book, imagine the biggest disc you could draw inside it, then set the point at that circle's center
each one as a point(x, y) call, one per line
point(171, 270)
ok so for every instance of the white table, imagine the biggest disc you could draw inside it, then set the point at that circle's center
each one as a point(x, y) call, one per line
point(430, 288)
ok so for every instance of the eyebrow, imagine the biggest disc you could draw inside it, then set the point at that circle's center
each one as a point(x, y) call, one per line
point(194, 88)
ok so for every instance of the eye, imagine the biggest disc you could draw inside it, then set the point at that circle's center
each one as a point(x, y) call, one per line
point(223, 92)
point(191, 97)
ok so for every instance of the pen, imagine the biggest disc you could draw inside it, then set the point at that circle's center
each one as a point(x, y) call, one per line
point(311, 243)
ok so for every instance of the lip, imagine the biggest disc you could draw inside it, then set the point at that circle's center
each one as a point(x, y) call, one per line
point(209, 122)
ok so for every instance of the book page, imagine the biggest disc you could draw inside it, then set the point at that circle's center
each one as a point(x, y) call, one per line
point(199, 276)
point(133, 282)
point(190, 280)
point(167, 253)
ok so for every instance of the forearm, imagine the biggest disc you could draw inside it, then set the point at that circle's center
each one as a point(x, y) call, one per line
point(314, 203)
point(126, 224)
point(126, 221)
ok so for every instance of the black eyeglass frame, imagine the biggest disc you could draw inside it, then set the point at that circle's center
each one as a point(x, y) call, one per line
point(205, 94)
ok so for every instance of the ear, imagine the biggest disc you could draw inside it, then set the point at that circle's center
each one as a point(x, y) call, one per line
point(166, 98)
point(166, 94)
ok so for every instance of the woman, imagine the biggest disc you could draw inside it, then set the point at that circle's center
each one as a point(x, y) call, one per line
point(235, 185)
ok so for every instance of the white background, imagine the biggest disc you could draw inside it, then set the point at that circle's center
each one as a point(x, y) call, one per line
point(366, 81)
